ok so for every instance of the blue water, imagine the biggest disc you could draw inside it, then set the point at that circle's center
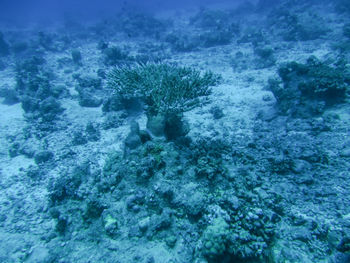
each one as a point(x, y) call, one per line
point(174, 131)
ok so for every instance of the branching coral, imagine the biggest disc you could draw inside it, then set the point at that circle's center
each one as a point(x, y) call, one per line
point(164, 88)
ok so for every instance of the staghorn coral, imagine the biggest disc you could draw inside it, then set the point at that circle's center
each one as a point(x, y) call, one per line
point(164, 88)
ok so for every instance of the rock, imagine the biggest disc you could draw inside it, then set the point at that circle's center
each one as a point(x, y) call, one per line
point(217, 112)
point(61, 224)
point(334, 238)
point(93, 134)
point(93, 209)
point(175, 127)
point(10, 96)
point(34, 172)
point(76, 56)
point(14, 150)
point(306, 179)
point(134, 201)
point(88, 82)
point(114, 56)
point(171, 241)
point(88, 100)
point(215, 238)
point(79, 138)
point(345, 152)
point(144, 224)
point(344, 245)
point(156, 125)
point(49, 108)
point(145, 136)
point(300, 166)
point(302, 234)
point(113, 103)
point(110, 224)
point(339, 257)
point(267, 114)
point(161, 222)
point(134, 127)
point(133, 140)
point(195, 204)
point(39, 254)
point(43, 157)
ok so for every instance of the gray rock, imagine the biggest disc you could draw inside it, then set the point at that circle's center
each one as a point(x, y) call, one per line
point(217, 112)
point(302, 234)
point(43, 156)
point(345, 152)
point(88, 100)
point(300, 166)
point(175, 127)
point(161, 222)
point(234, 202)
point(267, 114)
point(339, 257)
point(76, 56)
point(10, 96)
point(133, 140)
point(195, 204)
point(144, 224)
point(156, 125)
point(306, 179)
point(39, 254)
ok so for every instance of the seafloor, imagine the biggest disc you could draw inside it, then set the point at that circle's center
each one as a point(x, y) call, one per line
point(259, 173)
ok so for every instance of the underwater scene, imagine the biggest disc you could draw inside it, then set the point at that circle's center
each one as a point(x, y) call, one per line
point(174, 131)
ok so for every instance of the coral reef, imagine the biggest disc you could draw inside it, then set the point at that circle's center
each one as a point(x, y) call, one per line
point(164, 88)
point(310, 88)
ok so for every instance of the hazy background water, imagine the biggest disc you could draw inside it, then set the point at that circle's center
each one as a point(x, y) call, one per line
point(26, 11)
